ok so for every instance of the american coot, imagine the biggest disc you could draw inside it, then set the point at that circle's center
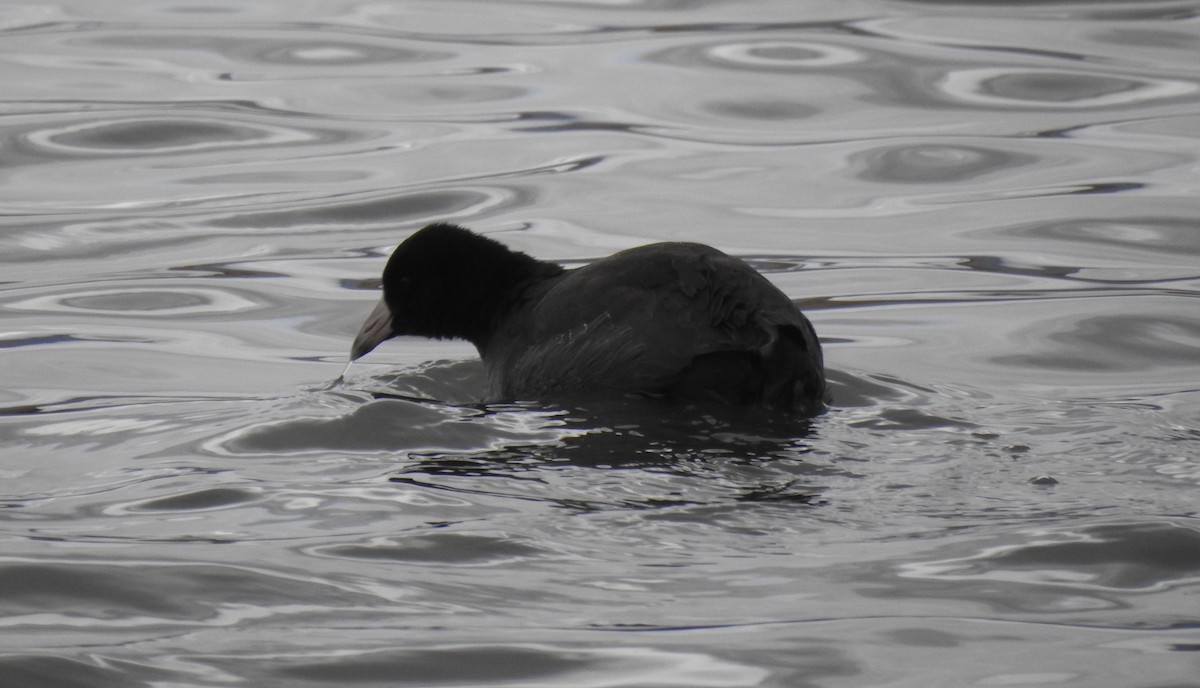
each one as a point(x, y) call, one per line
point(673, 320)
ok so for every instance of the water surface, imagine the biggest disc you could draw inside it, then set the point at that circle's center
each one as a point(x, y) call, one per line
point(988, 210)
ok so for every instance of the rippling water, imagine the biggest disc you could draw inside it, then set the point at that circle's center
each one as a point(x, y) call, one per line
point(988, 209)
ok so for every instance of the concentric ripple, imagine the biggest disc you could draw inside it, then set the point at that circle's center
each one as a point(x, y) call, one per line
point(158, 301)
point(1057, 89)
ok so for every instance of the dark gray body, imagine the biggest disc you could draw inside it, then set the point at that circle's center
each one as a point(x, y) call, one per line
point(669, 319)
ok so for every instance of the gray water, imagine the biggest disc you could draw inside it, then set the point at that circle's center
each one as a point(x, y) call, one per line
point(988, 209)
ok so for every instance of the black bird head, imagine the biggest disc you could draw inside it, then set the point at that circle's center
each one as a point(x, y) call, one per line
point(446, 281)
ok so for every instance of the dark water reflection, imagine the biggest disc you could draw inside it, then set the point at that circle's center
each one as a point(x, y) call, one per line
point(987, 209)
point(1084, 574)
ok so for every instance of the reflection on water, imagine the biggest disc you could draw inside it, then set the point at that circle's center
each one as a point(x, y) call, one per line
point(987, 209)
point(1137, 556)
point(936, 163)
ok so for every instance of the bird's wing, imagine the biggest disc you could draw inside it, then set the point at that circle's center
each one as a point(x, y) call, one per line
point(655, 311)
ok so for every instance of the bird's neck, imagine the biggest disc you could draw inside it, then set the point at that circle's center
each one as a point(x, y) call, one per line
point(510, 281)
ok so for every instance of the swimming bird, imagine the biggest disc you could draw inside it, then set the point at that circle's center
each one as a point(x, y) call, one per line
point(677, 320)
